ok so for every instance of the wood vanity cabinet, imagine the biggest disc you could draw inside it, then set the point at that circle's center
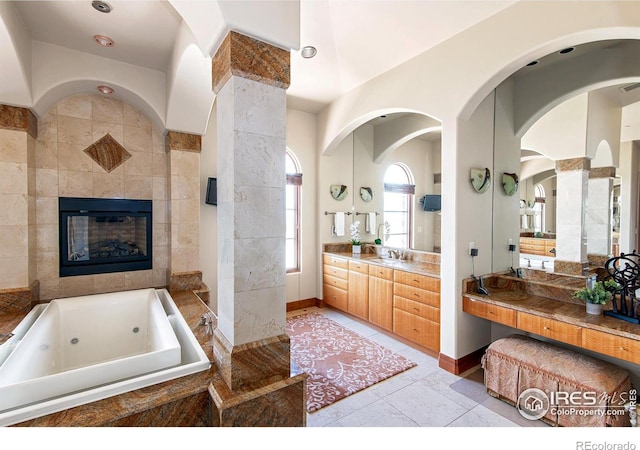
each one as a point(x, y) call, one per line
point(549, 328)
point(335, 286)
point(416, 308)
point(381, 296)
point(491, 312)
point(617, 346)
point(358, 298)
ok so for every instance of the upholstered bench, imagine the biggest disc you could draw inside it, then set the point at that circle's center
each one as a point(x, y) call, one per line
point(598, 389)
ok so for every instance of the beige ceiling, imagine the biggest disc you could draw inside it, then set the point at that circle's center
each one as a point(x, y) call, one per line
point(356, 40)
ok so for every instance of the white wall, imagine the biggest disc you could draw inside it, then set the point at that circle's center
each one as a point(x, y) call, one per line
point(209, 213)
point(301, 140)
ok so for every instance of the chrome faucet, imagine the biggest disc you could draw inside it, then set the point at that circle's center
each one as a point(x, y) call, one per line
point(397, 254)
point(528, 262)
point(543, 263)
point(207, 320)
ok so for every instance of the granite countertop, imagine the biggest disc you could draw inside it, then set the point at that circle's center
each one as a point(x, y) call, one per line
point(408, 265)
point(559, 310)
point(112, 409)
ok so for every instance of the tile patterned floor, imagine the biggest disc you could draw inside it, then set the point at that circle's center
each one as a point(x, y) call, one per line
point(424, 396)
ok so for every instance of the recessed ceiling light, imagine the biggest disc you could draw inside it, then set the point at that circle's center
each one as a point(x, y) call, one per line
point(308, 52)
point(105, 90)
point(103, 40)
point(566, 50)
point(101, 6)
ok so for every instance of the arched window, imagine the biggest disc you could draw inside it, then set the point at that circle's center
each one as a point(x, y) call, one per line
point(538, 209)
point(399, 189)
point(292, 237)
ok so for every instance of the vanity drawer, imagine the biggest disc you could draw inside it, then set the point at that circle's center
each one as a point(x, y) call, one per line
point(417, 280)
point(357, 266)
point(380, 272)
point(336, 272)
point(552, 329)
point(420, 309)
point(336, 261)
point(340, 283)
point(490, 312)
point(610, 344)
point(417, 329)
point(333, 296)
point(417, 294)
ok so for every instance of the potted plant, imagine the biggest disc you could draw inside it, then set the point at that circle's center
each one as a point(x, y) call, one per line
point(594, 297)
point(355, 237)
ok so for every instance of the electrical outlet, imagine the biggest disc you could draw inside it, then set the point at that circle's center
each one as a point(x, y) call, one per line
point(473, 252)
point(472, 245)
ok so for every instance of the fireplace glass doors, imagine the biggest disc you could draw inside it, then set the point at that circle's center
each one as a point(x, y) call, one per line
point(100, 235)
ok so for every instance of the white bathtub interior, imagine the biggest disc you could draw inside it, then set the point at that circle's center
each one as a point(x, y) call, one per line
point(92, 347)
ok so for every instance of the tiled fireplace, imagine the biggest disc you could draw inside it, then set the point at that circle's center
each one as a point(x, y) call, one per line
point(104, 235)
point(94, 147)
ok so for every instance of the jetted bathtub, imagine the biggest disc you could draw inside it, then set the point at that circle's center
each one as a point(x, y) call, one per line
point(77, 350)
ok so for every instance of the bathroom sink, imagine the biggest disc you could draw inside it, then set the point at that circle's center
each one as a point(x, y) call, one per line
point(390, 261)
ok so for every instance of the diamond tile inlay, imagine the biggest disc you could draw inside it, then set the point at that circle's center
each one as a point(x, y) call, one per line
point(107, 152)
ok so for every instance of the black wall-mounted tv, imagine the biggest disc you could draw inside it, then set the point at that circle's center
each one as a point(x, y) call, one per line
point(212, 192)
point(431, 202)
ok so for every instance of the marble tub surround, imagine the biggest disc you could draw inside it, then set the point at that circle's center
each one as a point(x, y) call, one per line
point(187, 281)
point(180, 402)
point(19, 300)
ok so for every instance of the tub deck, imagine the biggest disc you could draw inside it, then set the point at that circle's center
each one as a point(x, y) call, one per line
point(180, 402)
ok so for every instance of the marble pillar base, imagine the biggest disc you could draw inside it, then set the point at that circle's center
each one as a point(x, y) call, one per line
point(266, 360)
point(19, 299)
point(278, 404)
point(570, 267)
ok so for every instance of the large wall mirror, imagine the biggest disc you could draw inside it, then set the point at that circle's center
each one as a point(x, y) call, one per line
point(402, 149)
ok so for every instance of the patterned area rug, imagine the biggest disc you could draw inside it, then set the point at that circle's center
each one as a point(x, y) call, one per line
point(338, 361)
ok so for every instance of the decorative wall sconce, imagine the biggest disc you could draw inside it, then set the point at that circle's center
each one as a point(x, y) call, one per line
point(339, 191)
point(510, 183)
point(480, 179)
point(366, 194)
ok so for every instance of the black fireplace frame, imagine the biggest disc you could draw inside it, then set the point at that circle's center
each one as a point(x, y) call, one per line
point(103, 207)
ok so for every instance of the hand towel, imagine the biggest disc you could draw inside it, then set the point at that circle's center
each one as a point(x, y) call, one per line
point(371, 223)
point(338, 224)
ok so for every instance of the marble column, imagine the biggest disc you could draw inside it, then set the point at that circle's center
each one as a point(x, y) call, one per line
point(19, 288)
point(184, 203)
point(599, 213)
point(251, 347)
point(571, 202)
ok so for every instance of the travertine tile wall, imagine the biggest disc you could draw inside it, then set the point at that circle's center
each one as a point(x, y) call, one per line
point(185, 208)
point(16, 195)
point(62, 169)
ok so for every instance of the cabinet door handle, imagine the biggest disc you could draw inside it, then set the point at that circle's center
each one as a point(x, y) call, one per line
point(417, 309)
